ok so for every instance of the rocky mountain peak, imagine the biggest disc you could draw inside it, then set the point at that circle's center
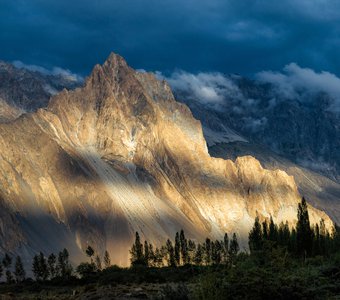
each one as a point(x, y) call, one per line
point(120, 155)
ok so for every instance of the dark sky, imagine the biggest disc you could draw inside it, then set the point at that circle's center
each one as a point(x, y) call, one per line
point(230, 36)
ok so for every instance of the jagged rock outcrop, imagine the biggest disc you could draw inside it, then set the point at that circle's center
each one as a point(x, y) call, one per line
point(120, 155)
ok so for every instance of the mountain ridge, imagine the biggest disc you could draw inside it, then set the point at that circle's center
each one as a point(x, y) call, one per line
point(120, 155)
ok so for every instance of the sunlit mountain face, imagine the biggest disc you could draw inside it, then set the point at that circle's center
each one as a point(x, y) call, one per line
point(169, 149)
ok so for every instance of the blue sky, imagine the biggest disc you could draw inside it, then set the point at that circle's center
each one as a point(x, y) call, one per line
point(228, 36)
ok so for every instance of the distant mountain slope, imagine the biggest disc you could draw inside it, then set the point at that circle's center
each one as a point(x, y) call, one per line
point(24, 90)
point(303, 127)
point(120, 155)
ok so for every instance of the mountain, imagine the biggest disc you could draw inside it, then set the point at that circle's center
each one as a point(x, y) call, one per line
point(303, 127)
point(322, 192)
point(120, 155)
point(23, 90)
point(300, 136)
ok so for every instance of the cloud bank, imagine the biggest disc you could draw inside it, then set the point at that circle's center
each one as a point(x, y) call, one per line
point(56, 71)
point(297, 83)
point(210, 88)
point(293, 83)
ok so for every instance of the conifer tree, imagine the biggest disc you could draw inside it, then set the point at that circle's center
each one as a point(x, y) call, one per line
point(225, 247)
point(7, 262)
point(19, 271)
point(213, 253)
point(39, 267)
point(191, 250)
point(265, 230)
point(233, 247)
point(207, 254)
point(171, 254)
point(107, 260)
point(158, 260)
point(64, 267)
point(36, 268)
point(273, 231)
point(304, 233)
point(216, 252)
point(136, 252)
point(146, 253)
point(9, 277)
point(43, 266)
point(255, 239)
point(283, 235)
point(52, 265)
point(292, 246)
point(177, 249)
point(198, 259)
point(164, 254)
point(184, 247)
point(151, 256)
point(286, 235)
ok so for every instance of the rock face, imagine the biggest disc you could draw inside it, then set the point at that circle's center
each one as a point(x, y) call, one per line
point(322, 192)
point(120, 155)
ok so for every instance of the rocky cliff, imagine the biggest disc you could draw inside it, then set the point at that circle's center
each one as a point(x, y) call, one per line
point(120, 155)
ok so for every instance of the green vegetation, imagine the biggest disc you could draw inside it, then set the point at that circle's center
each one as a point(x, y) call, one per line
point(282, 263)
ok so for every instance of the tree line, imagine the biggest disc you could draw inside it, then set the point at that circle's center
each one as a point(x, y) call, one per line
point(184, 251)
point(301, 241)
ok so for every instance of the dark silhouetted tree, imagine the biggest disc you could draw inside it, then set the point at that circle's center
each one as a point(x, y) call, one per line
point(273, 231)
point(136, 252)
point(107, 259)
point(198, 259)
point(7, 263)
point(177, 249)
point(265, 230)
point(207, 254)
point(146, 253)
point(304, 233)
point(225, 247)
point(255, 237)
point(64, 267)
point(43, 266)
point(52, 265)
point(233, 248)
point(171, 254)
point(39, 267)
point(184, 247)
point(216, 252)
point(158, 260)
point(36, 268)
point(151, 256)
point(191, 250)
point(19, 271)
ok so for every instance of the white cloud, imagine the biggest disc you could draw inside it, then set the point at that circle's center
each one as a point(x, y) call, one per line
point(208, 88)
point(67, 74)
point(295, 82)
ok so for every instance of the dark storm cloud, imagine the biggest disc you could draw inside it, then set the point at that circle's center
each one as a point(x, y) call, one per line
point(227, 36)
